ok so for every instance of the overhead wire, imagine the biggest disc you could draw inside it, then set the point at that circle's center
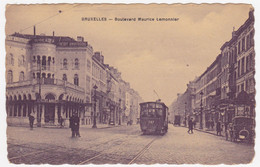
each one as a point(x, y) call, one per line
point(59, 12)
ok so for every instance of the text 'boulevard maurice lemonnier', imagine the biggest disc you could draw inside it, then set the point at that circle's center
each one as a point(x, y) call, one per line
point(124, 19)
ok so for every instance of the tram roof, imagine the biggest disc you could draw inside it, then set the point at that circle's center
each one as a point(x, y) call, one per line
point(153, 102)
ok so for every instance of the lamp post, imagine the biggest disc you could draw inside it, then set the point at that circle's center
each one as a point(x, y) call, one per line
point(94, 121)
point(201, 94)
point(185, 119)
point(39, 109)
point(119, 121)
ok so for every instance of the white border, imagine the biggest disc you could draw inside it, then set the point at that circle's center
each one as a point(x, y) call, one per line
point(255, 3)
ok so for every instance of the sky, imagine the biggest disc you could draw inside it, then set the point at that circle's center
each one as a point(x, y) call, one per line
point(153, 55)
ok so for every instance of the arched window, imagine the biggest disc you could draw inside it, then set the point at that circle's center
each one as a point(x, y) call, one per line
point(21, 76)
point(11, 59)
point(10, 76)
point(64, 78)
point(76, 80)
point(76, 63)
point(43, 75)
point(22, 61)
point(65, 64)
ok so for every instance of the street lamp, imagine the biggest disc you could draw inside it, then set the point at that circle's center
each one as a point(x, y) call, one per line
point(94, 121)
point(201, 108)
point(39, 98)
point(185, 119)
point(119, 122)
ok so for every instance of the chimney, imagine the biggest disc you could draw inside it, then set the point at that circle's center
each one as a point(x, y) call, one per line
point(80, 39)
point(233, 32)
point(34, 31)
point(53, 33)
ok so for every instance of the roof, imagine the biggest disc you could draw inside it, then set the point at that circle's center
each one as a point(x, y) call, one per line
point(57, 40)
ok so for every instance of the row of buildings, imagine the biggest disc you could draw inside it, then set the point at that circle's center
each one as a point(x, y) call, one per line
point(227, 87)
point(56, 76)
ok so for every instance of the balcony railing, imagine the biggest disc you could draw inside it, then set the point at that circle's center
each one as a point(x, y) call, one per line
point(45, 81)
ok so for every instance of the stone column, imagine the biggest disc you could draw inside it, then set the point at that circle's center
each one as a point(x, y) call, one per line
point(56, 115)
point(43, 114)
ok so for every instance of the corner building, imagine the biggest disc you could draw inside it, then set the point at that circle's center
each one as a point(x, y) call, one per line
point(49, 76)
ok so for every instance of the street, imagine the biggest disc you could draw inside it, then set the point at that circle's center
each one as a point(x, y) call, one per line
point(123, 144)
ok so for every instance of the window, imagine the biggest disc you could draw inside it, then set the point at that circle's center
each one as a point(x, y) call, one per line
point(238, 69)
point(242, 87)
point(10, 76)
point(247, 63)
point(76, 80)
point(11, 59)
point(243, 44)
point(88, 65)
point(21, 76)
point(251, 38)
point(247, 42)
point(34, 59)
point(43, 75)
point(65, 64)
point(88, 83)
point(64, 78)
point(76, 63)
point(243, 65)
point(251, 61)
point(21, 61)
point(238, 47)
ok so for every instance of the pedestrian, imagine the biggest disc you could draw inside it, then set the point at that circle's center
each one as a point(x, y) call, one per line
point(72, 125)
point(218, 128)
point(76, 122)
point(226, 130)
point(212, 124)
point(31, 120)
point(190, 124)
point(61, 122)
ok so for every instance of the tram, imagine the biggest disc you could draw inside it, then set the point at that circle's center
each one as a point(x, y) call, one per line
point(153, 117)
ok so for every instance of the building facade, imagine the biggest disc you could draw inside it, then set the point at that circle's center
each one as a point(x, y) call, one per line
point(228, 83)
point(53, 77)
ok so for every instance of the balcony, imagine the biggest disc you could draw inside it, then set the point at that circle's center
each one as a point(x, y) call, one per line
point(45, 81)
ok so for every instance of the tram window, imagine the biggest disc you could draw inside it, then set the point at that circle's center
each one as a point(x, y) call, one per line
point(151, 113)
point(144, 113)
point(151, 105)
point(159, 112)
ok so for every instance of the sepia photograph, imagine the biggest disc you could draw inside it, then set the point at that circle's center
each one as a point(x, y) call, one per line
point(130, 84)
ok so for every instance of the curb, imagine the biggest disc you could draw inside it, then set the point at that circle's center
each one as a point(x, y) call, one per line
point(209, 132)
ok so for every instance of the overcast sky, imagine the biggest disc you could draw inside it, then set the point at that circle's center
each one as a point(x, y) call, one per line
point(162, 56)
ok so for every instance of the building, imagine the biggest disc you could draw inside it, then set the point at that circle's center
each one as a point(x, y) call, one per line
point(47, 76)
point(227, 84)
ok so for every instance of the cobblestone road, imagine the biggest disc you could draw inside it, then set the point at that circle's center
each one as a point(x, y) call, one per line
point(124, 144)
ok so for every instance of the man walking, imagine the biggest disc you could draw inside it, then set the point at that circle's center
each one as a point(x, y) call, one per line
point(218, 128)
point(190, 123)
point(72, 125)
point(31, 120)
point(76, 119)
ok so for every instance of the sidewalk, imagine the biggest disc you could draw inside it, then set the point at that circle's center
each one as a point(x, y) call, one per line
point(102, 126)
point(212, 132)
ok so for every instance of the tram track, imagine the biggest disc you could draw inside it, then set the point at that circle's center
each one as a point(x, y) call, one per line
point(141, 152)
point(93, 157)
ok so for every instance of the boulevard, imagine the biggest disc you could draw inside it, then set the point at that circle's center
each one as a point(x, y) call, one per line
point(124, 145)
